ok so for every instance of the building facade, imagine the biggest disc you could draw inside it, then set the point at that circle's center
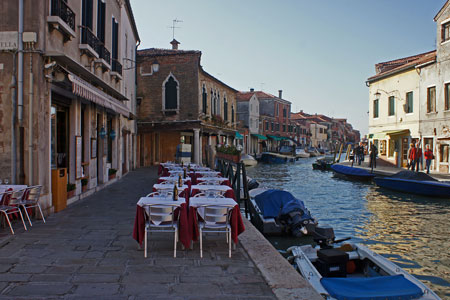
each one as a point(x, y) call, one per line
point(68, 118)
point(248, 115)
point(179, 100)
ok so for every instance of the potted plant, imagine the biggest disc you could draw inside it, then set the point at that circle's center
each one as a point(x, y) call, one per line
point(229, 152)
point(70, 190)
point(112, 174)
point(84, 185)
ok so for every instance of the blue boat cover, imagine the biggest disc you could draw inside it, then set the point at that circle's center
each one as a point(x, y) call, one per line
point(395, 287)
point(274, 203)
point(350, 171)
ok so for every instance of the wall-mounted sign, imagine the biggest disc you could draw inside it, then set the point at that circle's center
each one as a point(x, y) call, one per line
point(8, 40)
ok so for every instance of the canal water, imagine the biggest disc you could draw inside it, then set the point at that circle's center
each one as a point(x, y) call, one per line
point(412, 231)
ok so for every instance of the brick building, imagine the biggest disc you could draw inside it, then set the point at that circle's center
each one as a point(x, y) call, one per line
point(177, 98)
point(69, 109)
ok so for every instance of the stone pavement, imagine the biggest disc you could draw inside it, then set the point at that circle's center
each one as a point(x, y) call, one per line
point(87, 252)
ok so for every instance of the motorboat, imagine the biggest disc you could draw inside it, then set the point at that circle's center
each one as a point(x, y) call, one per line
point(300, 152)
point(323, 163)
point(314, 152)
point(353, 271)
point(415, 183)
point(352, 172)
point(276, 158)
point(278, 212)
point(248, 160)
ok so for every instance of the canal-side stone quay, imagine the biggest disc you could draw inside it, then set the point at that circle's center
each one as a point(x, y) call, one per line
point(87, 252)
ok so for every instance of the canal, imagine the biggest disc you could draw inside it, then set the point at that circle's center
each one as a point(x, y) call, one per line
point(412, 231)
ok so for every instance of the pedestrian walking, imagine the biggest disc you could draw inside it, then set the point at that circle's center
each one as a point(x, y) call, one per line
point(419, 159)
point(428, 157)
point(412, 156)
point(373, 152)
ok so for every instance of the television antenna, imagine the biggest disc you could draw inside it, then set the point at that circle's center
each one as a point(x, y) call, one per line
point(174, 22)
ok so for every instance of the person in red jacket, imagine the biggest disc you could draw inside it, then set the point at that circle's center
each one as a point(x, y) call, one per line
point(419, 157)
point(428, 157)
point(412, 156)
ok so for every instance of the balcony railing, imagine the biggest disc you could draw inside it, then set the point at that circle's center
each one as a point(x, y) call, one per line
point(116, 66)
point(62, 10)
point(103, 53)
point(87, 37)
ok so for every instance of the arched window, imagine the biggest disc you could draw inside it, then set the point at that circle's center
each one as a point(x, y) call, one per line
point(218, 104)
point(225, 108)
point(204, 100)
point(232, 113)
point(215, 103)
point(170, 93)
point(212, 102)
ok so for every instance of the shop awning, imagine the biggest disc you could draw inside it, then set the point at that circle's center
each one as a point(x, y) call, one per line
point(259, 136)
point(275, 138)
point(239, 136)
point(383, 134)
point(86, 90)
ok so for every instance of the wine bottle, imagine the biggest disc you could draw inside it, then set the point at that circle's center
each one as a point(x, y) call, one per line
point(175, 192)
point(180, 181)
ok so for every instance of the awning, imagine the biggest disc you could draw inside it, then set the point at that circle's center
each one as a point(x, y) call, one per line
point(383, 134)
point(275, 138)
point(261, 137)
point(86, 90)
point(239, 136)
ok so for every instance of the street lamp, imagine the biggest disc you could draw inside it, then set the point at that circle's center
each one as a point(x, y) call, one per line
point(155, 66)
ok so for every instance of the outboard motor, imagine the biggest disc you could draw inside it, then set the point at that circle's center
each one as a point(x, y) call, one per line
point(324, 236)
point(252, 184)
point(297, 221)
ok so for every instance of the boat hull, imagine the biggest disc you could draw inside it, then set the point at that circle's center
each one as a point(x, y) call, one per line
point(275, 158)
point(352, 172)
point(425, 188)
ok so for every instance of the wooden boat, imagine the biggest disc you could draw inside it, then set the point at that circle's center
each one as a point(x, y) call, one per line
point(276, 212)
point(355, 272)
point(248, 160)
point(415, 183)
point(352, 172)
point(323, 163)
point(313, 152)
point(275, 158)
point(300, 152)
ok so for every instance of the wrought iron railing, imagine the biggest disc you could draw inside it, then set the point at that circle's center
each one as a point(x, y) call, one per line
point(116, 66)
point(62, 10)
point(103, 52)
point(89, 38)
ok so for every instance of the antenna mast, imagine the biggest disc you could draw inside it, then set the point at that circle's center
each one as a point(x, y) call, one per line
point(174, 21)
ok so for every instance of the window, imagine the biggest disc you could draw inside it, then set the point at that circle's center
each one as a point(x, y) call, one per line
point(284, 128)
point(115, 45)
point(277, 127)
point(391, 110)
point(225, 109)
point(218, 104)
point(447, 96)
point(284, 113)
point(212, 101)
point(445, 34)
point(375, 108)
point(267, 125)
point(271, 126)
point(431, 99)
point(232, 114)
point(409, 103)
point(86, 15)
point(276, 107)
point(204, 100)
point(101, 19)
point(170, 94)
point(443, 155)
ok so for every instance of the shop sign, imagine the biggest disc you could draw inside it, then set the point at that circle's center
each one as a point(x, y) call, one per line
point(8, 40)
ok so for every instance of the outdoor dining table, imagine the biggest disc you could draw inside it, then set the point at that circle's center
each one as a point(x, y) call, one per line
point(236, 223)
point(185, 232)
point(215, 180)
point(199, 188)
point(14, 187)
point(174, 179)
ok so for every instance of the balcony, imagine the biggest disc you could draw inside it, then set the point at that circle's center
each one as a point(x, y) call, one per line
point(116, 69)
point(62, 18)
point(89, 42)
point(104, 57)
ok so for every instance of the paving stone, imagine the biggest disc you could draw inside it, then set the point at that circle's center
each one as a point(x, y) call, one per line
point(94, 289)
point(94, 254)
point(62, 269)
point(246, 289)
point(51, 278)
point(5, 267)
point(200, 270)
point(8, 277)
point(194, 290)
point(146, 278)
point(40, 289)
point(114, 269)
point(94, 278)
point(146, 291)
point(28, 269)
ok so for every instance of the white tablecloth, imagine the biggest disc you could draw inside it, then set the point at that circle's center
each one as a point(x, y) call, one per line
point(4, 188)
point(212, 179)
point(160, 200)
point(169, 187)
point(174, 179)
point(206, 187)
point(199, 201)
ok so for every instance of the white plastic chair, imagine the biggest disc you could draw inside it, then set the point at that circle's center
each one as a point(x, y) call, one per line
point(216, 218)
point(10, 205)
point(160, 218)
point(32, 195)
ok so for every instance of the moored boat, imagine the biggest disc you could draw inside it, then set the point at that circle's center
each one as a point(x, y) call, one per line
point(248, 160)
point(415, 183)
point(323, 163)
point(277, 212)
point(352, 172)
point(300, 152)
point(275, 158)
point(352, 271)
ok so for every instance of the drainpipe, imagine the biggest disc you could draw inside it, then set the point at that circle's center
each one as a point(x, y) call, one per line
point(30, 125)
point(20, 83)
point(13, 122)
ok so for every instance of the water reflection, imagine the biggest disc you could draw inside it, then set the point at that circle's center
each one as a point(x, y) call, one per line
point(410, 230)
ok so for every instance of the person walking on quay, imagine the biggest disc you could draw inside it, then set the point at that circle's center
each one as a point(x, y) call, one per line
point(428, 157)
point(412, 157)
point(373, 152)
point(419, 159)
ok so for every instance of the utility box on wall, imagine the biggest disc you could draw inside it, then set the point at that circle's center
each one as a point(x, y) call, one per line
point(59, 189)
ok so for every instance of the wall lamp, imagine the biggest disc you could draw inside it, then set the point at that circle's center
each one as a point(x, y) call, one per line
point(102, 133)
point(155, 66)
point(112, 134)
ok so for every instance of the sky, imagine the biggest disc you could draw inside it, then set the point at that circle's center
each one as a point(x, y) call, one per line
point(320, 53)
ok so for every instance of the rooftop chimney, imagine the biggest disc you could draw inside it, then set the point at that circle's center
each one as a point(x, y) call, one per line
point(252, 90)
point(280, 94)
point(175, 44)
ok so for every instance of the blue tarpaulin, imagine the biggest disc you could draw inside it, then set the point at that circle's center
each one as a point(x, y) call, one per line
point(373, 288)
point(274, 203)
